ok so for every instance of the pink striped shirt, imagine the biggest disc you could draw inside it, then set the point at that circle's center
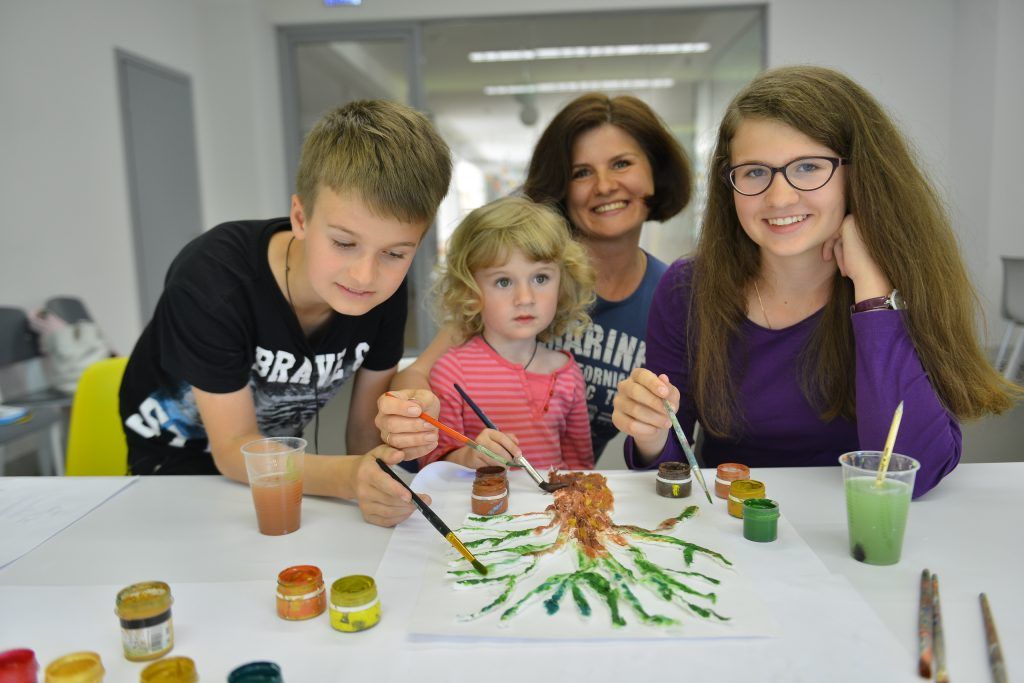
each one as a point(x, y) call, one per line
point(547, 413)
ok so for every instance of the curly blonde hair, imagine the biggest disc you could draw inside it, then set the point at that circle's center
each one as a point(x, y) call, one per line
point(486, 238)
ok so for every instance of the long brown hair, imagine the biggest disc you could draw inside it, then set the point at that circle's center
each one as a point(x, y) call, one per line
point(904, 226)
point(547, 179)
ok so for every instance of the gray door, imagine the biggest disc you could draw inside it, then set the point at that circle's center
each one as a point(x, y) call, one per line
point(163, 175)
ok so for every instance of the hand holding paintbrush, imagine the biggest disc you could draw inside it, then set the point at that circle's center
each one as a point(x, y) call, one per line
point(640, 412)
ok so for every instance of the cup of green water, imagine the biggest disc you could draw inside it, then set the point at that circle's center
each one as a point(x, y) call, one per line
point(876, 512)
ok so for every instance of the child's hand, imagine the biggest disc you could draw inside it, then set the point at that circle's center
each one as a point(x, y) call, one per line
point(503, 445)
point(399, 423)
point(855, 262)
point(640, 411)
point(381, 499)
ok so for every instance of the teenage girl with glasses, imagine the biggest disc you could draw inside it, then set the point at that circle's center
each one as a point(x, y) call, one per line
point(826, 287)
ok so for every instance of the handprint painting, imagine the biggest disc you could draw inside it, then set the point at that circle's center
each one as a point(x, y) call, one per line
point(580, 569)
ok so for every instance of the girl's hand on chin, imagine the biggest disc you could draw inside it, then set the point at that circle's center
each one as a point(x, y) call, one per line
point(854, 261)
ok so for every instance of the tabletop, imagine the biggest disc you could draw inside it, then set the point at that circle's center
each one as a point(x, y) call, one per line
point(199, 535)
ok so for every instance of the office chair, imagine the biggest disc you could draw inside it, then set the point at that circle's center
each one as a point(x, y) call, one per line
point(96, 441)
point(1013, 311)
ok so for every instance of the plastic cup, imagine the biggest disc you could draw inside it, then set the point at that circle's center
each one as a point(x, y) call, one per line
point(877, 514)
point(274, 466)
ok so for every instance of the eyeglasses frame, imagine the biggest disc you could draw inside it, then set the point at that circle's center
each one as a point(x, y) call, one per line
point(835, 161)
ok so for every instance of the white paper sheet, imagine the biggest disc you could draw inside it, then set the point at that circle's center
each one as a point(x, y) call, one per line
point(440, 605)
point(34, 509)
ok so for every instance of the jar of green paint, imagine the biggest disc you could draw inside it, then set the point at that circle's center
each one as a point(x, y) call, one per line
point(760, 520)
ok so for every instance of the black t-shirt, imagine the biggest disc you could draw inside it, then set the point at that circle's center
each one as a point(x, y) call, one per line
point(222, 323)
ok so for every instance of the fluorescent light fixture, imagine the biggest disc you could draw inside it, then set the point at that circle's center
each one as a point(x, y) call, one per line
point(580, 86)
point(342, 3)
point(583, 51)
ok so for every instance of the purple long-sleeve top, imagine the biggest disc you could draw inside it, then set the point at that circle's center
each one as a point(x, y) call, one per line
point(780, 428)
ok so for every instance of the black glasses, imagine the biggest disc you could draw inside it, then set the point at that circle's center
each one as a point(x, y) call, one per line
point(805, 173)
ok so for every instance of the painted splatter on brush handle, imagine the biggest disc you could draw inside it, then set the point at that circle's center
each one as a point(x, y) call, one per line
point(941, 674)
point(924, 627)
point(995, 652)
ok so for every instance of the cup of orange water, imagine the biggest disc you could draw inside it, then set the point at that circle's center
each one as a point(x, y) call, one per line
point(274, 466)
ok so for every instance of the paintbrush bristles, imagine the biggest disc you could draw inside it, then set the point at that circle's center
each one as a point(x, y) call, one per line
point(890, 441)
point(690, 456)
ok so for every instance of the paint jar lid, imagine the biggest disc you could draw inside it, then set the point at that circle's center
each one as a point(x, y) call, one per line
point(299, 580)
point(170, 670)
point(77, 667)
point(353, 591)
point(143, 600)
point(18, 665)
point(731, 471)
point(746, 488)
point(760, 508)
point(674, 470)
point(256, 672)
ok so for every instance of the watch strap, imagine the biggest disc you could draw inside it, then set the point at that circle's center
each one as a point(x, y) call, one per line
point(890, 302)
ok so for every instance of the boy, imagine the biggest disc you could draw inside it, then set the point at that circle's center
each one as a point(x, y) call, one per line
point(261, 322)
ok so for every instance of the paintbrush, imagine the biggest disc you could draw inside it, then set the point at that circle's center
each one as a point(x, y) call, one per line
point(890, 441)
point(461, 438)
point(924, 627)
point(941, 674)
point(686, 447)
point(520, 460)
point(995, 653)
point(436, 522)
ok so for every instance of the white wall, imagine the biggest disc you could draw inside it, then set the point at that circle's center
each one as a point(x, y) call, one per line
point(948, 70)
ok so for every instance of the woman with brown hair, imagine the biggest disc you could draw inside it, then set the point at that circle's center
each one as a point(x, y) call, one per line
point(827, 286)
point(608, 164)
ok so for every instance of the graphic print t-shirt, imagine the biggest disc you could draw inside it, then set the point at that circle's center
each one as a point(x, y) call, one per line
point(609, 349)
point(222, 323)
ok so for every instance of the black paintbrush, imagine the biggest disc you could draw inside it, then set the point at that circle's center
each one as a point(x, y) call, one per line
point(436, 522)
point(521, 460)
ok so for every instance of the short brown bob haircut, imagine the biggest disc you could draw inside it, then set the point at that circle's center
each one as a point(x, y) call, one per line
point(486, 238)
point(551, 165)
point(387, 153)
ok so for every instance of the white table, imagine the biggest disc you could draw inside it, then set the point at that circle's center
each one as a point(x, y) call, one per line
point(199, 535)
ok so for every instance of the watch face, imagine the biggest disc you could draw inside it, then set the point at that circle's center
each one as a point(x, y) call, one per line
point(896, 301)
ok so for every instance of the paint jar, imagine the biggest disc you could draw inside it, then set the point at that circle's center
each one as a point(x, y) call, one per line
point(77, 667)
point(18, 666)
point(170, 670)
point(145, 613)
point(760, 520)
point(300, 593)
point(739, 491)
point(256, 672)
point(673, 480)
point(355, 605)
point(726, 474)
point(490, 491)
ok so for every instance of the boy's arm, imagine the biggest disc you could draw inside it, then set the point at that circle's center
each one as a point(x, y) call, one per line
point(230, 422)
point(361, 433)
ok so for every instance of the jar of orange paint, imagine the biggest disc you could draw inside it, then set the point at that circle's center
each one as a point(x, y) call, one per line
point(741, 490)
point(726, 474)
point(300, 593)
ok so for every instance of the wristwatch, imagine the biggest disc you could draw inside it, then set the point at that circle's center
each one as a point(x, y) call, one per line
point(893, 302)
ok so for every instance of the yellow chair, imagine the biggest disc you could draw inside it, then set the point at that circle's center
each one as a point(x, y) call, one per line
point(96, 441)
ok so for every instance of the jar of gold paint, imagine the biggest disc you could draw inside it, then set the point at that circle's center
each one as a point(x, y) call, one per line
point(147, 631)
point(355, 605)
point(170, 670)
point(300, 593)
point(256, 672)
point(673, 480)
point(18, 666)
point(726, 474)
point(77, 667)
point(490, 491)
point(739, 491)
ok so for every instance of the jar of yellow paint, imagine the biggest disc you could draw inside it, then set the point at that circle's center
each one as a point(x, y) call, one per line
point(77, 667)
point(354, 604)
point(741, 490)
point(171, 670)
point(145, 613)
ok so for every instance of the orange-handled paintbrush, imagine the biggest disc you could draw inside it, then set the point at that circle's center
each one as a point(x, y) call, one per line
point(462, 438)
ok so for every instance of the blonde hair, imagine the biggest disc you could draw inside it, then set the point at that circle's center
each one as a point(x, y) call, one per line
point(486, 238)
point(388, 153)
point(904, 226)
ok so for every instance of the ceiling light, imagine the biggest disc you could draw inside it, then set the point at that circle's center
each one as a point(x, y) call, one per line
point(583, 51)
point(580, 86)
